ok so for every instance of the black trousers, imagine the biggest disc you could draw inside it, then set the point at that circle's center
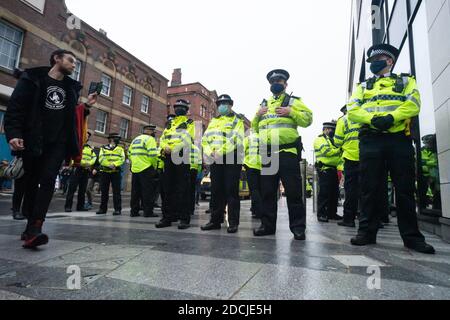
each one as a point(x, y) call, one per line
point(225, 193)
point(392, 153)
point(40, 176)
point(19, 191)
point(115, 180)
point(192, 185)
point(143, 188)
point(254, 184)
point(352, 190)
point(176, 180)
point(328, 193)
point(290, 176)
point(78, 180)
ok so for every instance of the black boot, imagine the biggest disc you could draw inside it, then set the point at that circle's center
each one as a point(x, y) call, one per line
point(421, 247)
point(184, 225)
point(348, 224)
point(299, 235)
point(211, 226)
point(17, 215)
point(163, 224)
point(262, 231)
point(35, 237)
point(361, 241)
point(233, 229)
point(117, 213)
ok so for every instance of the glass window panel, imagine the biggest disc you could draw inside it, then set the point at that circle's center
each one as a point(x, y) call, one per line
point(399, 24)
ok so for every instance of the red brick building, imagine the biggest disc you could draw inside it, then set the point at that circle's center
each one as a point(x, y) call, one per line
point(203, 101)
point(134, 94)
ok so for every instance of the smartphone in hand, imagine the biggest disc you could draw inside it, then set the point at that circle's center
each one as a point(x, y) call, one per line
point(95, 87)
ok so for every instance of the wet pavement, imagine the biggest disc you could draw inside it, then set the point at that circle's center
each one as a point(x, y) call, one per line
point(128, 258)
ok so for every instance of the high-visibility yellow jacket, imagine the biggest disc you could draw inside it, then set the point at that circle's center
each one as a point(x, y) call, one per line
point(252, 157)
point(347, 138)
point(196, 159)
point(429, 163)
point(326, 153)
point(178, 135)
point(88, 157)
point(225, 134)
point(276, 130)
point(111, 156)
point(381, 100)
point(143, 153)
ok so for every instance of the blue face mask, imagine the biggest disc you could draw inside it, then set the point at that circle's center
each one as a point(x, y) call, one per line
point(277, 88)
point(224, 110)
point(377, 66)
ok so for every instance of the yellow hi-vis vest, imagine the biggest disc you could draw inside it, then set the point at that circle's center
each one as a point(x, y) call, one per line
point(379, 97)
point(347, 138)
point(88, 157)
point(224, 135)
point(252, 157)
point(326, 153)
point(284, 129)
point(179, 135)
point(109, 156)
point(142, 153)
point(196, 159)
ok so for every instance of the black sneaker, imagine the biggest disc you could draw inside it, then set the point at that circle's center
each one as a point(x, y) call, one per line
point(300, 236)
point(211, 226)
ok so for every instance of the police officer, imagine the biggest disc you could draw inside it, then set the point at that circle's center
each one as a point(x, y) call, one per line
point(80, 177)
point(143, 154)
point(253, 166)
point(328, 157)
point(195, 169)
point(430, 170)
point(223, 146)
point(384, 105)
point(111, 159)
point(277, 122)
point(176, 143)
point(347, 138)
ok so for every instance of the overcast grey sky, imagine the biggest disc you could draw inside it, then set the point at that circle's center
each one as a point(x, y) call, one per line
point(231, 45)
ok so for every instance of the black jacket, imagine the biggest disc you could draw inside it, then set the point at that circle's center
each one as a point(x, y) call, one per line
point(23, 116)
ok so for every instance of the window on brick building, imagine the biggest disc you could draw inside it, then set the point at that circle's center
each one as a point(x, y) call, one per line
point(77, 73)
point(145, 104)
point(10, 45)
point(107, 82)
point(127, 95)
point(123, 130)
point(100, 123)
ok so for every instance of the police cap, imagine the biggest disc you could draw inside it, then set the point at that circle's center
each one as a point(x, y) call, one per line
point(382, 49)
point(278, 74)
point(224, 99)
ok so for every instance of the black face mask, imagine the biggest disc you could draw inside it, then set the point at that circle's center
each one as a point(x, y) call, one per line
point(180, 112)
point(331, 134)
point(277, 88)
point(378, 66)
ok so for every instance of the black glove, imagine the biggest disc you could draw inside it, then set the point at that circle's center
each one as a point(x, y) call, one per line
point(383, 123)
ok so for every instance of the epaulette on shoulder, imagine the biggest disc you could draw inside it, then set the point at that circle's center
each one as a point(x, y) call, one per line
point(240, 116)
point(190, 121)
point(294, 97)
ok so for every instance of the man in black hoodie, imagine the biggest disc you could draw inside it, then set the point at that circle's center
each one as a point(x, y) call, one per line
point(40, 124)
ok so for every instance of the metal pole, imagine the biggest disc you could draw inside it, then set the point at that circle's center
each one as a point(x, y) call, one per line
point(315, 185)
point(304, 177)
